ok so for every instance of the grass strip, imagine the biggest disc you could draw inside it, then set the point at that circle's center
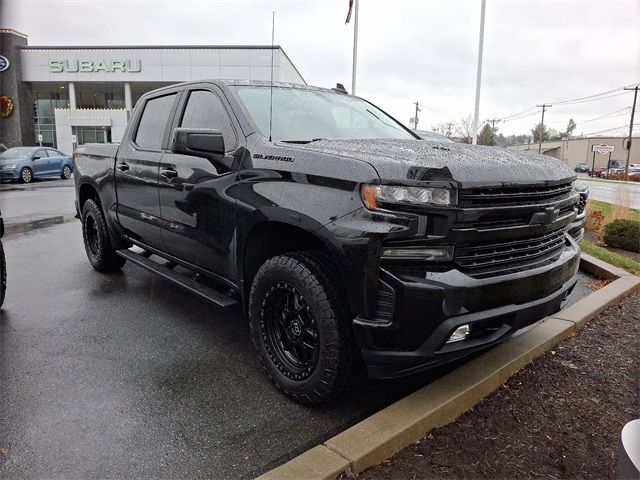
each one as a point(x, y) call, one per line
point(607, 208)
point(626, 263)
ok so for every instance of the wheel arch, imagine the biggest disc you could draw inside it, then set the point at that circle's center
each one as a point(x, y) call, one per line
point(275, 237)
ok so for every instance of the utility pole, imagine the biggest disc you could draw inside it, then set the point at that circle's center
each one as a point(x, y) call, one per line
point(474, 132)
point(633, 111)
point(415, 119)
point(493, 129)
point(541, 133)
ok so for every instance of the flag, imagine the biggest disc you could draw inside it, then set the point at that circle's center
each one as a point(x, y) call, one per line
point(349, 12)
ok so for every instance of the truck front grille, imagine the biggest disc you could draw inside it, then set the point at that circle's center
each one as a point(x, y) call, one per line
point(513, 195)
point(485, 260)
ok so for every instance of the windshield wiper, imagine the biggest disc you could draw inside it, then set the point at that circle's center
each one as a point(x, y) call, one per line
point(302, 142)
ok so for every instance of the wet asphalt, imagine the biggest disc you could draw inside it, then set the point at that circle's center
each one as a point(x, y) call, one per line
point(125, 375)
point(39, 202)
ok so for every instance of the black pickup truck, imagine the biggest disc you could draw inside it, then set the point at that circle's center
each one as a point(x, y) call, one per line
point(345, 238)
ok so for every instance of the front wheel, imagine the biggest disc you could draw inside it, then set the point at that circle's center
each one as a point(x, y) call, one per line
point(301, 327)
point(3, 274)
point(100, 253)
point(66, 172)
point(26, 175)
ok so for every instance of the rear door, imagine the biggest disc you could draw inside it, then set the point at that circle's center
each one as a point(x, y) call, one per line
point(198, 213)
point(136, 169)
point(55, 162)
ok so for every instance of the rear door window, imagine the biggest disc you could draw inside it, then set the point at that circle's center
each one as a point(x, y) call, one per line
point(153, 122)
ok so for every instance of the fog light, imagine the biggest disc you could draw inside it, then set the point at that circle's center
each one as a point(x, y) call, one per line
point(439, 254)
point(460, 333)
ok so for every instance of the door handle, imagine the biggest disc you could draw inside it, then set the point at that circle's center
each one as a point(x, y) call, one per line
point(123, 167)
point(168, 173)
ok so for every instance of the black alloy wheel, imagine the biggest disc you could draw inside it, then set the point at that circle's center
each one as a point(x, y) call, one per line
point(290, 331)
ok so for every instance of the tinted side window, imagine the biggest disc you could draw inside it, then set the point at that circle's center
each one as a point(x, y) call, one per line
point(53, 153)
point(154, 122)
point(205, 110)
point(41, 154)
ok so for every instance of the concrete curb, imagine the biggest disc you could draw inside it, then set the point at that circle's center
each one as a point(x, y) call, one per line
point(399, 425)
point(11, 228)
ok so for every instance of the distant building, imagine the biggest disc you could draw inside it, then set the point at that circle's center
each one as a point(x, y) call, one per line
point(580, 150)
point(86, 93)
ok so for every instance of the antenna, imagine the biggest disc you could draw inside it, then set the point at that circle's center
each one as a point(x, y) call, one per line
point(273, 28)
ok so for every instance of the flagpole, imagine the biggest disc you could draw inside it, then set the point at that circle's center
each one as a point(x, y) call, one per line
point(474, 131)
point(355, 48)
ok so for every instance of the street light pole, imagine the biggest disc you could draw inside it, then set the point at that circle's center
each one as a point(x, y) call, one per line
point(478, 75)
point(633, 111)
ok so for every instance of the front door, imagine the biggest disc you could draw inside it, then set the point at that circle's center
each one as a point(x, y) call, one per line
point(40, 163)
point(136, 170)
point(197, 212)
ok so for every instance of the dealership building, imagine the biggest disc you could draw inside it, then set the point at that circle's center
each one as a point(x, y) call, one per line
point(58, 95)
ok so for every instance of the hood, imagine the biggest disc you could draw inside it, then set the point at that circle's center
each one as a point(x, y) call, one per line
point(5, 161)
point(468, 165)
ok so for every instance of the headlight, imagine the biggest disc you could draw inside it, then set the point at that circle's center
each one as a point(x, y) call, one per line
point(7, 167)
point(375, 195)
point(580, 187)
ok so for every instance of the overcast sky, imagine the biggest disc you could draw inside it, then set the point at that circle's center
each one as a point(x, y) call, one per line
point(424, 50)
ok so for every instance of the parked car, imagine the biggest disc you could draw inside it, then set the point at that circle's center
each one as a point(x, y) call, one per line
point(3, 264)
point(597, 172)
point(581, 168)
point(338, 232)
point(26, 163)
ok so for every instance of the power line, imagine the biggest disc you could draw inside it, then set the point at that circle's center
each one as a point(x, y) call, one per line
point(622, 127)
point(579, 99)
point(608, 115)
point(589, 98)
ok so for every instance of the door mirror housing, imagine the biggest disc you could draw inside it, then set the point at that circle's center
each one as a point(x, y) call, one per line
point(36, 157)
point(199, 142)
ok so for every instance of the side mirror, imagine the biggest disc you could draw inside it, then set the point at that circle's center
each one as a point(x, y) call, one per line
point(36, 157)
point(199, 142)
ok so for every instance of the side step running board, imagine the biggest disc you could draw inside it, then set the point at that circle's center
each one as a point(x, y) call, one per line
point(187, 283)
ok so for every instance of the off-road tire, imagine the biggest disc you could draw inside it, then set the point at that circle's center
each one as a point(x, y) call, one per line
point(66, 172)
point(314, 277)
point(3, 274)
point(100, 253)
point(26, 175)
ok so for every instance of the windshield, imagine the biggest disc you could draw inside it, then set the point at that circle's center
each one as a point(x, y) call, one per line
point(17, 152)
point(307, 115)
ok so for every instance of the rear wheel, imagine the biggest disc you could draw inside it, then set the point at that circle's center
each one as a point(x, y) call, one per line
point(66, 172)
point(26, 175)
point(100, 253)
point(301, 327)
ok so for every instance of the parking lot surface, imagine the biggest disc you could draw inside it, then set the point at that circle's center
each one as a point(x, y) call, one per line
point(628, 194)
point(125, 375)
point(32, 202)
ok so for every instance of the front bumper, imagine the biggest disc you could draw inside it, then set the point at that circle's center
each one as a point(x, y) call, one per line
point(9, 174)
point(426, 311)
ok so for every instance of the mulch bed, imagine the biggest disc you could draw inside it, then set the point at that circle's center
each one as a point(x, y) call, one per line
point(560, 417)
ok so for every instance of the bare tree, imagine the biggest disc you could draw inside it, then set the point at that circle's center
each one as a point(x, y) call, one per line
point(443, 128)
point(464, 129)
